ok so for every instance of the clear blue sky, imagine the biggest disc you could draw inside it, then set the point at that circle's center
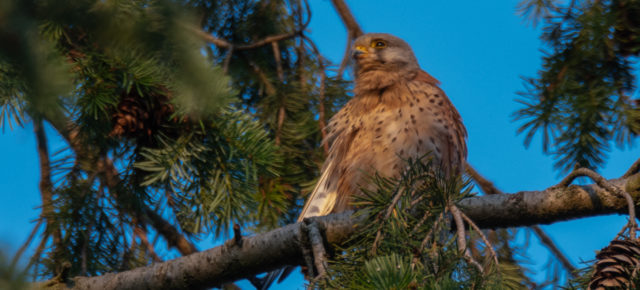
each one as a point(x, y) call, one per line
point(479, 50)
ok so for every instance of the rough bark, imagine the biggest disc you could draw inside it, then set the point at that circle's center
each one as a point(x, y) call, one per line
point(280, 247)
point(554, 204)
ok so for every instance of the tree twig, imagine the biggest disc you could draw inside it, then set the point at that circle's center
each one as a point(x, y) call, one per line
point(602, 182)
point(353, 30)
point(387, 214)
point(238, 47)
point(484, 184)
point(431, 231)
point(227, 59)
point(546, 240)
point(237, 235)
point(461, 240)
point(635, 168)
point(482, 236)
point(264, 41)
point(489, 188)
point(25, 245)
point(142, 234)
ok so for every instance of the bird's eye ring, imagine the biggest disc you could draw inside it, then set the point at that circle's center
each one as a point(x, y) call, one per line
point(378, 44)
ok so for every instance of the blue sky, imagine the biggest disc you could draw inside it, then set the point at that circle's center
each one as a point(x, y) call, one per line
point(479, 50)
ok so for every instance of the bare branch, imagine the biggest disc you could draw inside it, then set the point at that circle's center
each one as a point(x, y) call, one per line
point(267, 40)
point(347, 17)
point(484, 184)
point(546, 240)
point(482, 236)
point(462, 242)
point(276, 56)
point(142, 234)
point(227, 59)
point(26, 244)
point(488, 188)
point(353, 31)
point(635, 168)
point(602, 182)
point(381, 219)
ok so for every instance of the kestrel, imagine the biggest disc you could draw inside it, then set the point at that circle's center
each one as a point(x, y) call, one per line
point(398, 112)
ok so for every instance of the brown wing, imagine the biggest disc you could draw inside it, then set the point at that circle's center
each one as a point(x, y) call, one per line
point(442, 118)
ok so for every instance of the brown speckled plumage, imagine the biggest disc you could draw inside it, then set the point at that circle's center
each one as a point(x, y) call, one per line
point(398, 112)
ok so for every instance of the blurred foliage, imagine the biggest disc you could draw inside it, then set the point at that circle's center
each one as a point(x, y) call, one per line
point(201, 135)
point(410, 245)
point(11, 277)
point(581, 101)
point(205, 135)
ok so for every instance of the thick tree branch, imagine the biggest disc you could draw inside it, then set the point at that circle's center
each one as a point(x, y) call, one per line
point(280, 247)
point(554, 204)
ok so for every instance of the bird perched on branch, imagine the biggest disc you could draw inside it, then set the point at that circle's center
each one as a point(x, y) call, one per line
point(398, 112)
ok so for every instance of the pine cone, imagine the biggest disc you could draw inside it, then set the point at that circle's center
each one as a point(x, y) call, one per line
point(140, 117)
point(131, 117)
point(615, 266)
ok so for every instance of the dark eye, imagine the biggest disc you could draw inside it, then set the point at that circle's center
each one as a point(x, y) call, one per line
point(379, 44)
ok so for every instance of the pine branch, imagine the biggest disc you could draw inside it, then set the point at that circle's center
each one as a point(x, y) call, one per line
point(280, 247)
point(109, 174)
point(238, 47)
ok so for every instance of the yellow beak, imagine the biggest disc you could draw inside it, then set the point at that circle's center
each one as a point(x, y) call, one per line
point(360, 52)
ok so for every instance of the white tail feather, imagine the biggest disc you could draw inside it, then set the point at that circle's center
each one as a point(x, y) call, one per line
point(324, 195)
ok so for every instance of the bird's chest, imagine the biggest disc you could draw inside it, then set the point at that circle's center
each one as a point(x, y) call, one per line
point(400, 125)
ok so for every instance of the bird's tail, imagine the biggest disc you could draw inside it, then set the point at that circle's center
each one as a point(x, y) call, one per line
point(320, 202)
point(271, 277)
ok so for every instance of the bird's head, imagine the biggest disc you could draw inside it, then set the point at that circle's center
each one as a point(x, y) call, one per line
point(385, 52)
point(382, 60)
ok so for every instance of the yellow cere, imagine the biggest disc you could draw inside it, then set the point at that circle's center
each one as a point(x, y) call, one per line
point(362, 48)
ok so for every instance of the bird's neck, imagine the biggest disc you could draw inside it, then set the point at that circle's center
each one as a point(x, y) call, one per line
point(376, 81)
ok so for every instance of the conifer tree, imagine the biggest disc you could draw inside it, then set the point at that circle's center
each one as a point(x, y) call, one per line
point(190, 119)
